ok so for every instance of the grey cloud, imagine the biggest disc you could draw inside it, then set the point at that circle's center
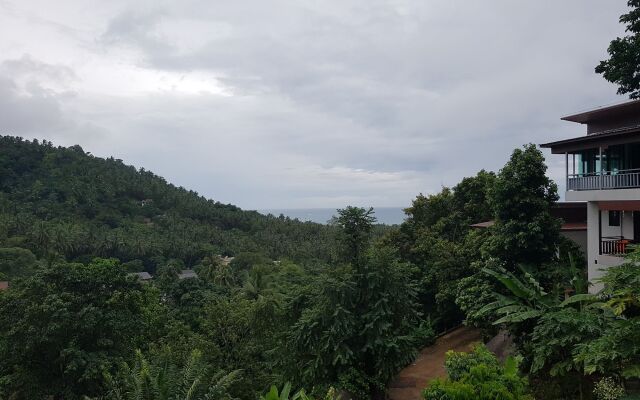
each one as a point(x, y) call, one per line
point(37, 70)
point(331, 102)
point(369, 63)
point(32, 113)
point(32, 101)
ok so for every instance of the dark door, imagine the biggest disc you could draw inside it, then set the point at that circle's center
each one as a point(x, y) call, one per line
point(636, 226)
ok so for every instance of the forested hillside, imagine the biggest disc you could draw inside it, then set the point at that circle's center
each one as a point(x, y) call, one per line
point(335, 309)
point(58, 201)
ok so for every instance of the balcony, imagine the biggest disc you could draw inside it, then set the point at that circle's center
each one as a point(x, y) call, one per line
point(606, 180)
point(615, 246)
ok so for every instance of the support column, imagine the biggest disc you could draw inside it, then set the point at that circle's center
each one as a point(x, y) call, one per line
point(601, 167)
point(566, 164)
point(593, 244)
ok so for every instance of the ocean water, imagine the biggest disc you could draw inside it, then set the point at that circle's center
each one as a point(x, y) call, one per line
point(385, 215)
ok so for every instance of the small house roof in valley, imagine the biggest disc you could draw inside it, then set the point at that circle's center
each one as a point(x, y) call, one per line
point(483, 225)
point(4, 285)
point(226, 260)
point(187, 273)
point(143, 276)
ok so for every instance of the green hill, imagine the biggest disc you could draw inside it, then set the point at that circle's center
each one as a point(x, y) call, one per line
point(65, 202)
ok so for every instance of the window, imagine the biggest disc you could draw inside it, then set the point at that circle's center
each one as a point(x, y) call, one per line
point(614, 218)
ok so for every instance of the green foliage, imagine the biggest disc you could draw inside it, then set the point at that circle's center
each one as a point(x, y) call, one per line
point(474, 293)
point(458, 364)
point(608, 389)
point(16, 262)
point(72, 323)
point(524, 231)
point(623, 64)
point(438, 240)
point(479, 376)
point(57, 201)
point(580, 335)
point(320, 305)
point(161, 379)
point(362, 319)
point(359, 385)
point(424, 335)
point(556, 335)
point(274, 394)
point(528, 299)
point(355, 225)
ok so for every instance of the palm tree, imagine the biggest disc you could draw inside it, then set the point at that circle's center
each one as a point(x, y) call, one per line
point(257, 285)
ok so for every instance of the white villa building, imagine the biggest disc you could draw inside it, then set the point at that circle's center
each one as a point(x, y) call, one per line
point(603, 170)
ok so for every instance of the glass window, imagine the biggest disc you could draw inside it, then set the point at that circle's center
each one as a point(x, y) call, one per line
point(588, 162)
point(614, 161)
point(614, 218)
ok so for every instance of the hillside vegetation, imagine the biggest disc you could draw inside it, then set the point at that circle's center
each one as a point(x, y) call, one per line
point(64, 202)
point(336, 308)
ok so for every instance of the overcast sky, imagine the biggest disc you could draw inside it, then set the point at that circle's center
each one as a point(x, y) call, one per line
point(295, 104)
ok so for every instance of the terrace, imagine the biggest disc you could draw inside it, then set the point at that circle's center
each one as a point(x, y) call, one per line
point(604, 168)
point(608, 157)
point(618, 226)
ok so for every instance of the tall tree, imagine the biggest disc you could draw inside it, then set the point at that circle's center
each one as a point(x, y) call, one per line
point(356, 224)
point(71, 324)
point(623, 65)
point(359, 325)
point(524, 232)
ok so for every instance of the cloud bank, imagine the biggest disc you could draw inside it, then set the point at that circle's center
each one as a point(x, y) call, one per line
point(284, 104)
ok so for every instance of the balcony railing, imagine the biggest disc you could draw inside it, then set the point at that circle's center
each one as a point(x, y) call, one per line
point(622, 179)
point(615, 246)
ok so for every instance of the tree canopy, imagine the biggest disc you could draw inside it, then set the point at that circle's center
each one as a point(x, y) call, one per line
point(623, 65)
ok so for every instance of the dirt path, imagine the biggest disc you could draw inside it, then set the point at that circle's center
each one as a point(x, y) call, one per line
point(430, 364)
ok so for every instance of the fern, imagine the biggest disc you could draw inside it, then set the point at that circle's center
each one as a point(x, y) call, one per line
point(162, 379)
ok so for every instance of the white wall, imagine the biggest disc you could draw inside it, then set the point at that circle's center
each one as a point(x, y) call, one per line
point(626, 225)
point(593, 241)
point(598, 263)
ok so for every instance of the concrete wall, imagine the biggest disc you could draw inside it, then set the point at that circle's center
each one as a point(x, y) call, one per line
point(626, 225)
point(579, 238)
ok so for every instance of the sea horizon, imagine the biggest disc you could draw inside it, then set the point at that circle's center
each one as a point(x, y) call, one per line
point(384, 215)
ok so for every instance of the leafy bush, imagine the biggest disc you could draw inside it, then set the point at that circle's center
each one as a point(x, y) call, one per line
point(424, 335)
point(71, 323)
point(459, 364)
point(479, 376)
point(359, 385)
point(275, 394)
point(285, 394)
point(608, 389)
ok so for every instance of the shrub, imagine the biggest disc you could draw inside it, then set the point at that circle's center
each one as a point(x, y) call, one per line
point(424, 335)
point(478, 376)
point(458, 364)
point(608, 389)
